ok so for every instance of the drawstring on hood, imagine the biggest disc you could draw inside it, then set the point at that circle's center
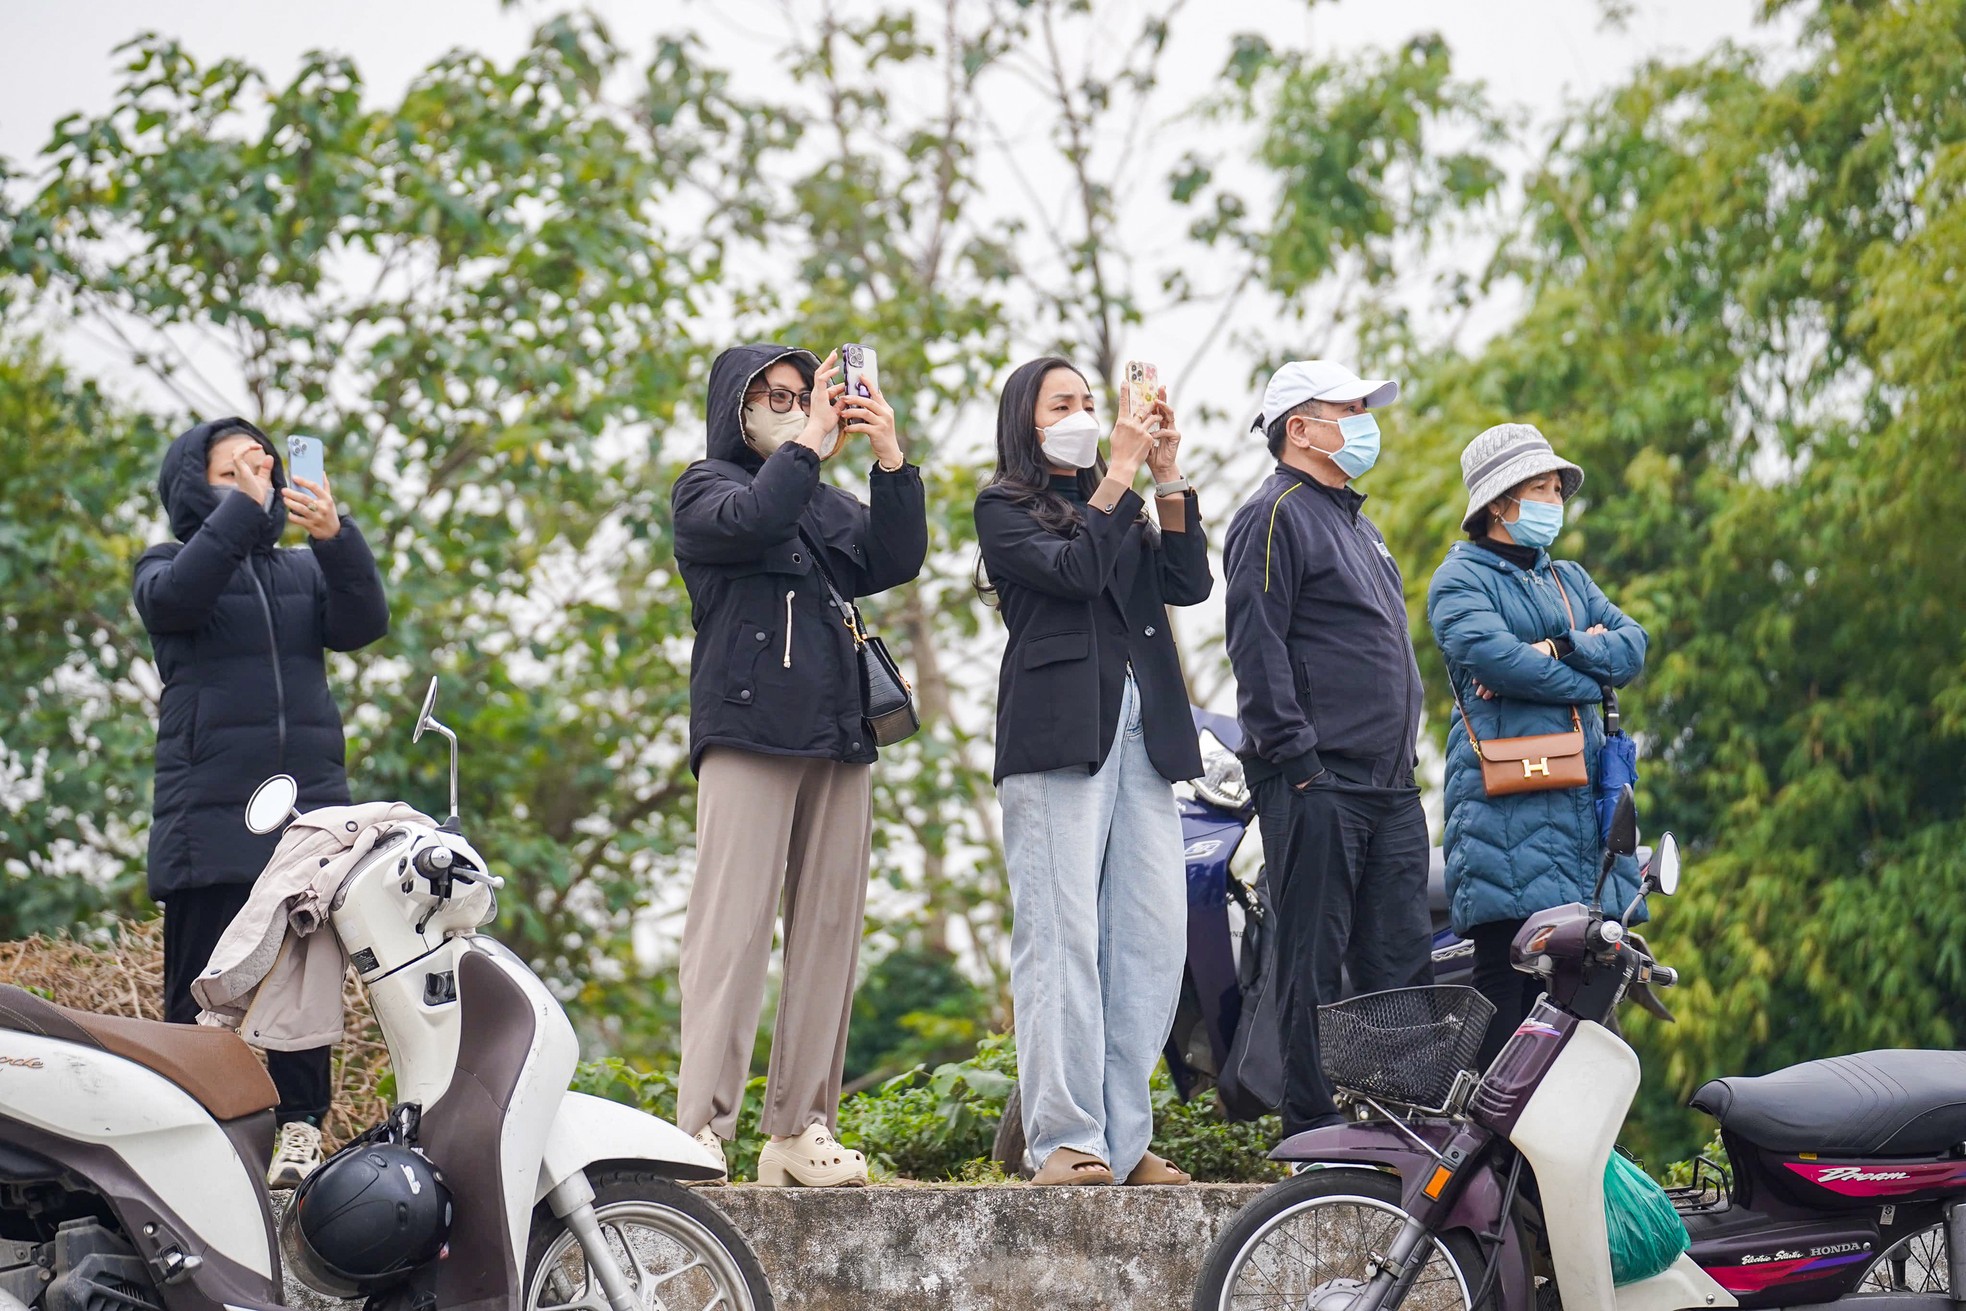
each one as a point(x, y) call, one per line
point(731, 375)
point(189, 499)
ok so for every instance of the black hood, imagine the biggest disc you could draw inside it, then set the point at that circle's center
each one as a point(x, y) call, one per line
point(730, 375)
point(189, 499)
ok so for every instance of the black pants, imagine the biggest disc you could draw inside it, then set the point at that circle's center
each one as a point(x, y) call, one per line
point(1514, 994)
point(1347, 866)
point(194, 920)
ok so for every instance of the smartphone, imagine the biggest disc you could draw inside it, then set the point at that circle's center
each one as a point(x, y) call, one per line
point(862, 370)
point(1142, 386)
point(306, 459)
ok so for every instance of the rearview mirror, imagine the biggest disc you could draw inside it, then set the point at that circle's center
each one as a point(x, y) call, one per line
point(1665, 866)
point(423, 716)
point(272, 804)
point(1623, 839)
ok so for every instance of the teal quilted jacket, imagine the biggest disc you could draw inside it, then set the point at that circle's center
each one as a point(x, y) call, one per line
point(1509, 857)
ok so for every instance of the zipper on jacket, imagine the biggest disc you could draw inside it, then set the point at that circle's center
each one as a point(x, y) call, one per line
point(788, 628)
point(273, 645)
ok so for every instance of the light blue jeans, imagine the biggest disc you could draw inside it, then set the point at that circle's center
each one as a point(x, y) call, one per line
point(1096, 946)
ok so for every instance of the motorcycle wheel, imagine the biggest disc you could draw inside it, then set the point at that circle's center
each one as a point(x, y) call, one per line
point(1308, 1242)
point(1008, 1149)
point(676, 1248)
point(1919, 1263)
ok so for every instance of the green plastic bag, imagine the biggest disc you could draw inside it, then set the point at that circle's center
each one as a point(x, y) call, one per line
point(1647, 1235)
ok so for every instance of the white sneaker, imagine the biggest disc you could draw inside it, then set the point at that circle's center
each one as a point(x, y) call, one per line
point(707, 1139)
point(814, 1159)
point(297, 1155)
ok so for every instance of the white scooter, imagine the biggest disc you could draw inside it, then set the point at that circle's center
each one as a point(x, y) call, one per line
point(132, 1153)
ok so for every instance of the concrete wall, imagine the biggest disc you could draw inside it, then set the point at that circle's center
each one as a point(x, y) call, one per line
point(1007, 1248)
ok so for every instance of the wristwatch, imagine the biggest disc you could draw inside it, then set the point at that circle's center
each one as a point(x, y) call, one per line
point(1174, 488)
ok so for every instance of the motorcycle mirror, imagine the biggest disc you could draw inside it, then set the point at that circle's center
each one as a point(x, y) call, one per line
point(1623, 840)
point(423, 720)
point(272, 804)
point(1665, 865)
point(426, 720)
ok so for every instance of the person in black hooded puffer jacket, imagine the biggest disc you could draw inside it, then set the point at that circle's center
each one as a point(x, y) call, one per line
point(778, 740)
point(239, 628)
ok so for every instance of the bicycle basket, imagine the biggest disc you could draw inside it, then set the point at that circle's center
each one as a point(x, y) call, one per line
point(1407, 1045)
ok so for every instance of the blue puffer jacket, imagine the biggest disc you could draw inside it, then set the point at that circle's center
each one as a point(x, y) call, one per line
point(1509, 857)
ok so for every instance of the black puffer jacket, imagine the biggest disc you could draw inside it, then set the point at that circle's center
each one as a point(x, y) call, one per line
point(774, 668)
point(218, 603)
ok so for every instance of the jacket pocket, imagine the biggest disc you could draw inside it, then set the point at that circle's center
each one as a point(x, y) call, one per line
point(1053, 648)
point(1302, 669)
point(749, 643)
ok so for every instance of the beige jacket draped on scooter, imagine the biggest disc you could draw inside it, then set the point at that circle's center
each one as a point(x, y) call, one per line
point(276, 975)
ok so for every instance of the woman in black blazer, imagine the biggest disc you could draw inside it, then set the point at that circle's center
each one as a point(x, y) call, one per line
point(1093, 730)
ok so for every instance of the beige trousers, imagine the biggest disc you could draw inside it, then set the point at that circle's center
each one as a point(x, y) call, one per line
point(772, 830)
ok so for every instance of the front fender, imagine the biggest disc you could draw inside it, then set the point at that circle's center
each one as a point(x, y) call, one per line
point(1477, 1206)
point(590, 1129)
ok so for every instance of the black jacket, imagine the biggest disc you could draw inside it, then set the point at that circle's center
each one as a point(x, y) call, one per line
point(1079, 609)
point(1318, 637)
point(219, 603)
point(774, 669)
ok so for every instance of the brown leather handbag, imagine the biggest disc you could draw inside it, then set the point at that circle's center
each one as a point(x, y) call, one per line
point(1547, 762)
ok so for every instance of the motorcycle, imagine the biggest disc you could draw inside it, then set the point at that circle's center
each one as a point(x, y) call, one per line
point(1229, 920)
point(133, 1153)
point(1455, 1188)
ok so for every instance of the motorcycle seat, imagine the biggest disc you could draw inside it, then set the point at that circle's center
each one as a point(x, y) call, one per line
point(1879, 1103)
point(215, 1066)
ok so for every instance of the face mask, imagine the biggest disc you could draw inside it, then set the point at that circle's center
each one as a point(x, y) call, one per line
point(1073, 440)
point(767, 430)
point(1361, 449)
point(1537, 524)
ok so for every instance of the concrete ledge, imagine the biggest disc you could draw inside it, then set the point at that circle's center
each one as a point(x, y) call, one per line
point(967, 1248)
point(997, 1248)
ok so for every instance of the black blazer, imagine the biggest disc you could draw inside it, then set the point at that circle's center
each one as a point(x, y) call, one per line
point(1079, 608)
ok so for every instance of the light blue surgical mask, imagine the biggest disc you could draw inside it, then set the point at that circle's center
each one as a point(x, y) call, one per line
point(1537, 523)
point(1361, 449)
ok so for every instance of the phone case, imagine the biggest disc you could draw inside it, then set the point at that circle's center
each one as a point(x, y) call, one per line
point(306, 459)
point(862, 369)
point(1142, 385)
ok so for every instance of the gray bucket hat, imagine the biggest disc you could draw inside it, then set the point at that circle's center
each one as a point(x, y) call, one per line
point(1504, 456)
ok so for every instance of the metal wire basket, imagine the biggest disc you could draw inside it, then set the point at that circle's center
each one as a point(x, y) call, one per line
point(1408, 1045)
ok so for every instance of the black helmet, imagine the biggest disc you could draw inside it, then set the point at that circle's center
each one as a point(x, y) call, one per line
point(370, 1215)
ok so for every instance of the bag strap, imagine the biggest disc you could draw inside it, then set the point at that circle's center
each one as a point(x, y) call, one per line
point(848, 610)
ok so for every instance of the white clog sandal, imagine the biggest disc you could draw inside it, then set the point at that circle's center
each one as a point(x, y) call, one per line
point(814, 1159)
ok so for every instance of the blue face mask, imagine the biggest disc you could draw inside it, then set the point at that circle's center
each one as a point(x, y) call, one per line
point(1537, 524)
point(1361, 449)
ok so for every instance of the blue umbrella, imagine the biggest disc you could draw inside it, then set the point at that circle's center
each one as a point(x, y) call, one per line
point(1617, 764)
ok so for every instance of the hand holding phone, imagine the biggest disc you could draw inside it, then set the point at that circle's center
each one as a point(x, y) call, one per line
point(866, 410)
point(309, 502)
point(306, 459)
point(1142, 388)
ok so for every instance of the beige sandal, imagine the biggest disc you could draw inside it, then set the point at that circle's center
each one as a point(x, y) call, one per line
point(707, 1139)
point(1154, 1171)
point(814, 1159)
point(1065, 1167)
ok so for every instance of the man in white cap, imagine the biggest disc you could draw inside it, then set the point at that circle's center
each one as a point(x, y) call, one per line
point(1329, 698)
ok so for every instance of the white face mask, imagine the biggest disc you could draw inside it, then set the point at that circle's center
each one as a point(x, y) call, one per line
point(1073, 440)
point(767, 430)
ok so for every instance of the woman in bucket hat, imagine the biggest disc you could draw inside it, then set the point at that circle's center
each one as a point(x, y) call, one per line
point(1527, 639)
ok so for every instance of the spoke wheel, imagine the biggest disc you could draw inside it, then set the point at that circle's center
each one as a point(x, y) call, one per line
point(679, 1252)
point(1917, 1264)
point(1310, 1244)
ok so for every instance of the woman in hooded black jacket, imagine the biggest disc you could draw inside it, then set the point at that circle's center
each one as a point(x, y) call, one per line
point(778, 741)
point(239, 628)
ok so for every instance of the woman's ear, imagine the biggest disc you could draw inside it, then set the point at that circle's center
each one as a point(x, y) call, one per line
point(1498, 510)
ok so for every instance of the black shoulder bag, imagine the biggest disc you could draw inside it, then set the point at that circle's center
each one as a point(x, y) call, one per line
point(887, 700)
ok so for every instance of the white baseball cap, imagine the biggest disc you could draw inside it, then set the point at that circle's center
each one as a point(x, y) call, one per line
point(1320, 380)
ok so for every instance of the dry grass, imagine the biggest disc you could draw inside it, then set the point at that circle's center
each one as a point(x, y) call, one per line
point(123, 974)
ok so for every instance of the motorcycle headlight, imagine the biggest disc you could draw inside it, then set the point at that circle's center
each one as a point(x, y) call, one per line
point(1221, 782)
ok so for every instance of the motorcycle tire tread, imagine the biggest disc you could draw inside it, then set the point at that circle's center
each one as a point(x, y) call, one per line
point(1379, 1185)
point(627, 1184)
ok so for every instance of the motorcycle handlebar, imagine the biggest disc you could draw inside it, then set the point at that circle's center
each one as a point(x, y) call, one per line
point(1665, 976)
